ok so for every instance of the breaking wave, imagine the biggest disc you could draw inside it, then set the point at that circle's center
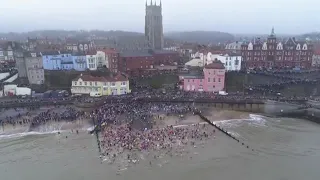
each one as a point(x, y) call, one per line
point(253, 120)
point(49, 128)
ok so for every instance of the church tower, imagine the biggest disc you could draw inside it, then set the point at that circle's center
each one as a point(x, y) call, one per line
point(153, 26)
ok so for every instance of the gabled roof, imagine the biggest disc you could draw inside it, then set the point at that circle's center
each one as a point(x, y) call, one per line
point(291, 41)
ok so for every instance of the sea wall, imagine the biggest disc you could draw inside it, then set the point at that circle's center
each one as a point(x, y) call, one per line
point(278, 108)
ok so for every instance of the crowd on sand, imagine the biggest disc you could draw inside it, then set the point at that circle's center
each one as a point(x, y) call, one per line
point(129, 131)
point(38, 118)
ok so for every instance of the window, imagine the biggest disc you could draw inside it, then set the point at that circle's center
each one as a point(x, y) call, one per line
point(90, 83)
point(75, 83)
point(80, 83)
point(208, 79)
point(123, 83)
point(95, 83)
point(85, 83)
point(236, 62)
point(219, 80)
point(214, 79)
point(113, 84)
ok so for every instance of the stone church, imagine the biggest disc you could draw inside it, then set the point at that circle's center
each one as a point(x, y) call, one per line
point(153, 26)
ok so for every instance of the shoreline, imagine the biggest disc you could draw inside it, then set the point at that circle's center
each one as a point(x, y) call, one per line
point(82, 124)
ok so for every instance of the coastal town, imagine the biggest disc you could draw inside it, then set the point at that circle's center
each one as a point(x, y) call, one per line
point(148, 100)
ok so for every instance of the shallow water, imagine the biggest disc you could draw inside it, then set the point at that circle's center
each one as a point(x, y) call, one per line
point(283, 149)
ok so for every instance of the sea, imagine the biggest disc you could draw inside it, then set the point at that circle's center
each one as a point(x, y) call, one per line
point(278, 149)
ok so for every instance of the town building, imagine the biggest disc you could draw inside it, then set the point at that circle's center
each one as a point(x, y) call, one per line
point(84, 84)
point(154, 26)
point(276, 54)
point(101, 59)
point(6, 53)
point(79, 61)
point(211, 80)
point(91, 58)
point(57, 60)
point(34, 67)
point(135, 60)
point(234, 46)
point(112, 59)
point(21, 65)
point(231, 61)
point(206, 56)
point(78, 46)
point(165, 57)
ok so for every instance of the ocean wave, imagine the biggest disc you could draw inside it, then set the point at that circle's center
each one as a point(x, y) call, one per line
point(18, 135)
point(50, 128)
point(254, 120)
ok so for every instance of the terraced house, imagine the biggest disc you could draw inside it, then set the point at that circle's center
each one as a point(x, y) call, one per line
point(85, 84)
point(57, 60)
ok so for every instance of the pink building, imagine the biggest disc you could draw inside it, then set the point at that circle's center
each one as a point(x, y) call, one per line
point(212, 79)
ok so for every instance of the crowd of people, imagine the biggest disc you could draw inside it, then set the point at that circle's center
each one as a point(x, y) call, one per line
point(52, 114)
point(124, 142)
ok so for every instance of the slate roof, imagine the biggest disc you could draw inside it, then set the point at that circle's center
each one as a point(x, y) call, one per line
point(86, 77)
point(164, 52)
point(28, 54)
point(135, 54)
point(48, 53)
point(78, 54)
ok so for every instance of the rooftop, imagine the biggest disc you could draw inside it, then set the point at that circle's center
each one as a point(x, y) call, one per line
point(50, 53)
point(215, 65)
point(86, 77)
point(142, 53)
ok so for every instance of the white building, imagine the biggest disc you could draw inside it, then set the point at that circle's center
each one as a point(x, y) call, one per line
point(206, 57)
point(92, 62)
point(231, 61)
point(101, 59)
point(234, 46)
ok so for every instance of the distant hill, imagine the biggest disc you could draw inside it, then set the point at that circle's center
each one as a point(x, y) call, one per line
point(313, 36)
point(202, 37)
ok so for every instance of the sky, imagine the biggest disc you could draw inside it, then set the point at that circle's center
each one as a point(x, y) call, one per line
point(233, 16)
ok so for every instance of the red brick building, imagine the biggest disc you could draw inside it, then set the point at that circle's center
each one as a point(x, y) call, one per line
point(276, 54)
point(135, 60)
point(165, 57)
point(112, 56)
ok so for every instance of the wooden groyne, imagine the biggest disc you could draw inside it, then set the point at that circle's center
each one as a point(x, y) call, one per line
point(96, 131)
point(221, 129)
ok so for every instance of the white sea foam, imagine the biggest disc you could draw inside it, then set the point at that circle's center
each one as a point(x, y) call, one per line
point(254, 120)
point(50, 128)
point(18, 135)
